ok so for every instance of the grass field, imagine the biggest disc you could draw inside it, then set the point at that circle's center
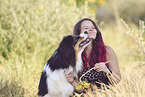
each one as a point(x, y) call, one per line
point(31, 30)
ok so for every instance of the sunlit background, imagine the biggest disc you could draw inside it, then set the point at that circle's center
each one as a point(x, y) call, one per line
point(31, 30)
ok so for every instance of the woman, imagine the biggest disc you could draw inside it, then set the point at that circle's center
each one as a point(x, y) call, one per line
point(94, 56)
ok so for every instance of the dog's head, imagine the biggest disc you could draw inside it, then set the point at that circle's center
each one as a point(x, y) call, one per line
point(82, 42)
point(77, 41)
point(66, 54)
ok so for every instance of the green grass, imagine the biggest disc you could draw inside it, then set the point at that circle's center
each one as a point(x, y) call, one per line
point(30, 32)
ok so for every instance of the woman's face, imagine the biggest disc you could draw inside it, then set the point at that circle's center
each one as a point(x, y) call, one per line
point(89, 27)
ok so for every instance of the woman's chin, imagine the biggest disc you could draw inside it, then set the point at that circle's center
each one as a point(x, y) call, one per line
point(92, 38)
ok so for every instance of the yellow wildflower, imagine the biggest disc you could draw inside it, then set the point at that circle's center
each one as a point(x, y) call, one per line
point(40, 8)
point(72, 1)
point(82, 85)
point(101, 2)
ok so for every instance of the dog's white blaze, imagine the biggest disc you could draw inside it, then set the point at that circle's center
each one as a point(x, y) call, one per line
point(83, 35)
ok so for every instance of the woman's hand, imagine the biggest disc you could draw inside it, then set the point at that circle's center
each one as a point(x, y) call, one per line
point(73, 82)
point(70, 78)
point(101, 67)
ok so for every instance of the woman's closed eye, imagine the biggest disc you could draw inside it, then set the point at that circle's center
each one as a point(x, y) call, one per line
point(85, 27)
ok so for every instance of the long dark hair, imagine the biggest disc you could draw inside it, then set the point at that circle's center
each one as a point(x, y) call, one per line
point(98, 53)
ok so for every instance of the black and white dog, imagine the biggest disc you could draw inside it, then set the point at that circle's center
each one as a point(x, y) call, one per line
point(66, 59)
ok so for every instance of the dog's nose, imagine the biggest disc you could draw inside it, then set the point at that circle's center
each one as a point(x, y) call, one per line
point(85, 32)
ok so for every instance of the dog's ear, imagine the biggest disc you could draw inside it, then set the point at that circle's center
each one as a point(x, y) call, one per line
point(65, 55)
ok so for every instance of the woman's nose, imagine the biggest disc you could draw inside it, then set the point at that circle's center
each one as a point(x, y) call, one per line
point(91, 29)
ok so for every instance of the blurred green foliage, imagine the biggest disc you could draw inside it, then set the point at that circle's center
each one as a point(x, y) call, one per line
point(33, 25)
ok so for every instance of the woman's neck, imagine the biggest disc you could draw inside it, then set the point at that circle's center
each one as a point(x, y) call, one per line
point(88, 50)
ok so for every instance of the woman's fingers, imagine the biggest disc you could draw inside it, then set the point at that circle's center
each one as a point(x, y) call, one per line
point(100, 67)
point(70, 77)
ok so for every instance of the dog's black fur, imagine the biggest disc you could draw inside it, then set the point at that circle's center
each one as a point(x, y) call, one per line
point(62, 58)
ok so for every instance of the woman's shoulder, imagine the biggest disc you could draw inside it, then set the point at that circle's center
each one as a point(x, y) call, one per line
point(110, 51)
point(108, 48)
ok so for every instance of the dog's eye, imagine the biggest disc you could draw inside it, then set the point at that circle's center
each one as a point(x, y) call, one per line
point(75, 40)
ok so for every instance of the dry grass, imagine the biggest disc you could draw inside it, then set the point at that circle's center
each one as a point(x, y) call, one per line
point(31, 30)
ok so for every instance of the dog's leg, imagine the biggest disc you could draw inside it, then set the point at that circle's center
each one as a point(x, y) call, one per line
point(43, 85)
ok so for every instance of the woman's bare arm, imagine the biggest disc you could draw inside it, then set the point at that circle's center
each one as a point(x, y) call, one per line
point(113, 64)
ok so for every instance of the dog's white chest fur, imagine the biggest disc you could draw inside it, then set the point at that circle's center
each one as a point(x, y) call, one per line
point(57, 84)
